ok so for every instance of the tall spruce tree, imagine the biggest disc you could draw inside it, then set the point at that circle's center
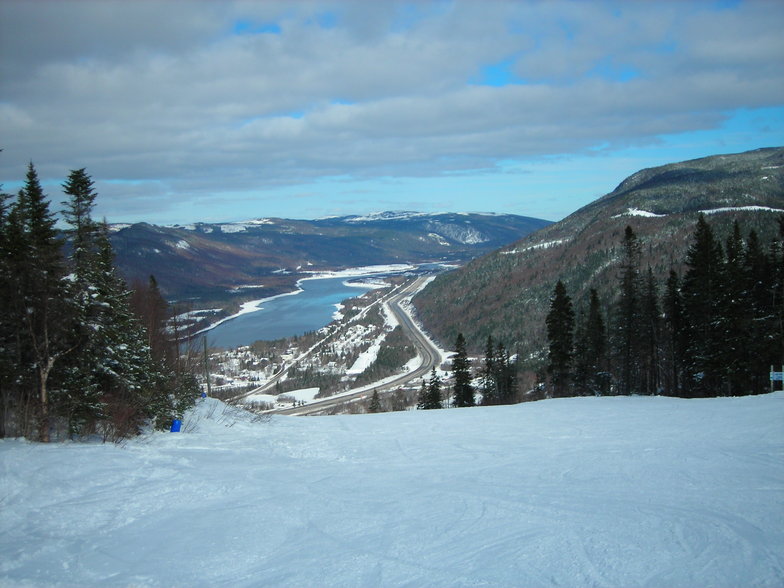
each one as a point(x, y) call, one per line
point(560, 337)
point(778, 296)
point(702, 290)
point(422, 396)
point(430, 394)
point(17, 385)
point(45, 338)
point(626, 346)
point(504, 375)
point(80, 395)
point(77, 212)
point(735, 318)
point(133, 384)
point(760, 296)
point(375, 403)
point(489, 385)
point(7, 327)
point(650, 337)
point(674, 338)
point(590, 362)
point(461, 369)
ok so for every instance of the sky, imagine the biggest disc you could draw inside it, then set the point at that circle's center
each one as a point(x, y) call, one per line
point(185, 111)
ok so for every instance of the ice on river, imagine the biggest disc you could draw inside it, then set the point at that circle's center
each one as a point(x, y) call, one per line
point(573, 492)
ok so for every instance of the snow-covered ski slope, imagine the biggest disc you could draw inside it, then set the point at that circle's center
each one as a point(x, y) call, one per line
point(574, 492)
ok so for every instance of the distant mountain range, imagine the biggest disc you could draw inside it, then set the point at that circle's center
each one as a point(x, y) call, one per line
point(210, 261)
point(506, 293)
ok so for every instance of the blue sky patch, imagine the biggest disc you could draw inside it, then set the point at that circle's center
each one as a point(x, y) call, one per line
point(497, 74)
point(246, 27)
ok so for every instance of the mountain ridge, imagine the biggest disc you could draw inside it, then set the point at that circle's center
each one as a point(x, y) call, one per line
point(505, 294)
point(207, 261)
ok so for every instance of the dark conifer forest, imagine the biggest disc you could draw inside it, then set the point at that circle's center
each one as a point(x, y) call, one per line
point(80, 354)
point(715, 330)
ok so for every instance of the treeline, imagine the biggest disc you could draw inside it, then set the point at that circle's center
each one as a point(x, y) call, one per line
point(80, 353)
point(713, 331)
point(497, 380)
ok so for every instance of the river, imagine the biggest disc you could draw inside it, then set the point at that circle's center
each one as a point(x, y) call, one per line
point(286, 316)
point(308, 309)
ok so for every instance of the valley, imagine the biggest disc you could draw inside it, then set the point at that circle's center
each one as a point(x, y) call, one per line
point(505, 293)
point(204, 265)
point(345, 358)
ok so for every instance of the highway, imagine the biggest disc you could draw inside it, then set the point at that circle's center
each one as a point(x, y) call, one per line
point(426, 351)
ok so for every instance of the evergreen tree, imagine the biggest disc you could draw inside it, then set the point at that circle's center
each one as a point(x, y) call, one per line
point(44, 337)
point(560, 336)
point(650, 337)
point(71, 350)
point(461, 368)
point(77, 213)
point(627, 318)
point(778, 296)
point(430, 397)
point(375, 403)
point(422, 396)
point(702, 290)
point(591, 376)
point(736, 320)
point(504, 375)
point(760, 295)
point(80, 395)
point(133, 384)
point(18, 377)
point(674, 337)
point(489, 384)
point(8, 359)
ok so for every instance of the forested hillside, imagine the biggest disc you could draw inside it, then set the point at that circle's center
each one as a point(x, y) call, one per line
point(80, 354)
point(507, 294)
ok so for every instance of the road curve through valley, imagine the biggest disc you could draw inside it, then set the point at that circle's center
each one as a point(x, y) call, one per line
point(428, 353)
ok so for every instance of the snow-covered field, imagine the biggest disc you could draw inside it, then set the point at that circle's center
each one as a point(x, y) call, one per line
point(574, 492)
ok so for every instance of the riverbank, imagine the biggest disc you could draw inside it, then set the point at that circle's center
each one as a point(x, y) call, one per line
point(351, 275)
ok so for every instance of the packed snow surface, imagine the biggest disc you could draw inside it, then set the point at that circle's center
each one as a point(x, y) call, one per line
point(576, 492)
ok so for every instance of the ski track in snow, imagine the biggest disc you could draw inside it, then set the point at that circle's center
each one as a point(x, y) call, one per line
point(575, 492)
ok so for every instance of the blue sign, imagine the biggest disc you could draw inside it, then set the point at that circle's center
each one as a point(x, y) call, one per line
point(777, 376)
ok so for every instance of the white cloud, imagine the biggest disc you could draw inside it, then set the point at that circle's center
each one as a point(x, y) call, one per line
point(165, 91)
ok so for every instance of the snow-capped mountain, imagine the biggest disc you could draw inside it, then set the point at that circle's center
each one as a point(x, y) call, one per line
point(206, 260)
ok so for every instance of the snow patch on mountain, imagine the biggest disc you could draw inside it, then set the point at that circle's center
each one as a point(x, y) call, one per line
point(386, 216)
point(466, 235)
point(545, 245)
point(741, 209)
point(438, 239)
point(233, 228)
point(638, 212)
